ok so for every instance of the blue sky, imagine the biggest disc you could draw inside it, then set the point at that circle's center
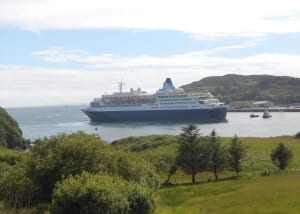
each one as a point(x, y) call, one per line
point(57, 52)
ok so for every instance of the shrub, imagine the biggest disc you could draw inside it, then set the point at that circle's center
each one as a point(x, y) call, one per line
point(54, 159)
point(135, 169)
point(297, 135)
point(16, 190)
point(10, 156)
point(100, 193)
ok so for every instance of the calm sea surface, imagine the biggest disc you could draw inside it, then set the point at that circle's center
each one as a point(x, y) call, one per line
point(40, 122)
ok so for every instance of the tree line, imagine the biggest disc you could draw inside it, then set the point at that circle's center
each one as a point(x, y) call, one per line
point(200, 154)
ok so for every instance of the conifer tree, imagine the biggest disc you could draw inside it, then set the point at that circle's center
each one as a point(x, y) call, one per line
point(193, 154)
point(218, 155)
point(237, 152)
point(281, 156)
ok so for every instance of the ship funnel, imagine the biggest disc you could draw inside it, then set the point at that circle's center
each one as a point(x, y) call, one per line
point(168, 84)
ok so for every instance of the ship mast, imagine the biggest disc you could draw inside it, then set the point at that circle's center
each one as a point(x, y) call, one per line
point(121, 85)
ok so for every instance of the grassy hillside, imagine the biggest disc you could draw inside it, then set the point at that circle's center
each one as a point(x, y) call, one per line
point(10, 133)
point(261, 189)
point(258, 160)
point(228, 88)
point(273, 194)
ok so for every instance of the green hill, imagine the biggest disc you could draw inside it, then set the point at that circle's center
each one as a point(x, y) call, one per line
point(231, 87)
point(10, 133)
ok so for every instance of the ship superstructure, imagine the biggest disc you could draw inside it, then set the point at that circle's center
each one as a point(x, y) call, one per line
point(167, 104)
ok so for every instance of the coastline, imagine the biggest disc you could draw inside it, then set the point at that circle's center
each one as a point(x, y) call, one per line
point(263, 109)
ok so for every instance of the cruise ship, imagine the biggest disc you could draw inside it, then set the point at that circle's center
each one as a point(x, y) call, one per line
point(168, 104)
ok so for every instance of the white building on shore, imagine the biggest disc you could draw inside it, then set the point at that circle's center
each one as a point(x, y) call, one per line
point(262, 104)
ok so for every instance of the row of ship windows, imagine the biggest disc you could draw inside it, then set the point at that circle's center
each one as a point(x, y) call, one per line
point(166, 103)
point(173, 96)
point(180, 107)
point(184, 99)
point(129, 105)
point(111, 106)
point(136, 105)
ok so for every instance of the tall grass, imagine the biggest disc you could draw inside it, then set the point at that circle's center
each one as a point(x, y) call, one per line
point(273, 194)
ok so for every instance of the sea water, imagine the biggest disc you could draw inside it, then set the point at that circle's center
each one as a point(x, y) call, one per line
point(39, 122)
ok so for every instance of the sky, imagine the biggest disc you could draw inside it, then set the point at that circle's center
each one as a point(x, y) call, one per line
point(64, 52)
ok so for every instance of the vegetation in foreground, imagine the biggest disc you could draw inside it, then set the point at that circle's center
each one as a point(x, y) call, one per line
point(80, 173)
point(67, 173)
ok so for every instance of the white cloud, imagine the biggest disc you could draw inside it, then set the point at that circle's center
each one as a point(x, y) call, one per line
point(34, 86)
point(248, 44)
point(198, 18)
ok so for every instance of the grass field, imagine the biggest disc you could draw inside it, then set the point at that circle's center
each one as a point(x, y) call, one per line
point(273, 194)
point(257, 162)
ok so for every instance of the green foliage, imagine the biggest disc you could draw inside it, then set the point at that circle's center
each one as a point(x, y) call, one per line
point(258, 157)
point(162, 161)
point(10, 133)
point(193, 153)
point(16, 189)
point(152, 148)
point(297, 135)
point(237, 152)
point(218, 155)
point(10, 156)
point(133, 168)
point(281, 156)
point(54, 159)
point(172, 170)
point(100, 193)
point(142, 143)
point(253, 87)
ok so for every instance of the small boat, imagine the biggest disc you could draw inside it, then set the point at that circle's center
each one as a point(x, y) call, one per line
point(266, 114)
point(253, 115)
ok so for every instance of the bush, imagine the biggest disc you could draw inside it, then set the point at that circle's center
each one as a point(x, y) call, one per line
point(54, 159)
point(297, 135)
point(100, 193)
point(10, 156)
point(135, 169)
point(281, 156)
point(16, 190)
